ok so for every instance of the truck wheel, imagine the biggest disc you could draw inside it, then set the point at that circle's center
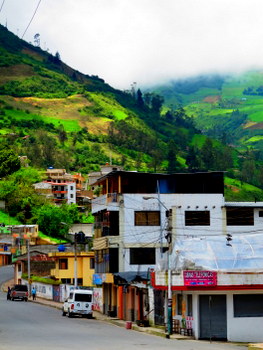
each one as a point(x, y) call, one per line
point(25, 299)
point(63, 312)
point(70, 314)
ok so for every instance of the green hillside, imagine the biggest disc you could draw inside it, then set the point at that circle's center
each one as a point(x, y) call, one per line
point(231, 105)
point(57, 116)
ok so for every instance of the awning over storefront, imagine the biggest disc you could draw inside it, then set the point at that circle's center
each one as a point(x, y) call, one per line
point(131, 276)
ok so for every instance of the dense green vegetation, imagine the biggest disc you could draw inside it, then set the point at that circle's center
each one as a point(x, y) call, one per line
point(56, 116)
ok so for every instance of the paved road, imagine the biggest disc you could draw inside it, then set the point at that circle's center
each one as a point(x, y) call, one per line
point(27, 325)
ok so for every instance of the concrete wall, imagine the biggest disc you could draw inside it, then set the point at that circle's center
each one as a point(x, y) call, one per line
point(239, 329)
point(43, 290)
point(243, 329)
point(98, 299)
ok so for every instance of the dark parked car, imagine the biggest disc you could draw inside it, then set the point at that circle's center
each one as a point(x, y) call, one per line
point(19, 291)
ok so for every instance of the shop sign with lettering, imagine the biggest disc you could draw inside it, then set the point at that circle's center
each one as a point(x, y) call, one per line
point(200, 278)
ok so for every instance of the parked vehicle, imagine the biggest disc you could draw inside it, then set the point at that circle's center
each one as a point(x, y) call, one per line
point(19, 291)
point(79, 302)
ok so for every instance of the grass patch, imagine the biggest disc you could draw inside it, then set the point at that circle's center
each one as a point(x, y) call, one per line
point(8, 220)
point(52, 239)
point(254, 139)
point(41, 279)
point(237, 191)
point(107, 106)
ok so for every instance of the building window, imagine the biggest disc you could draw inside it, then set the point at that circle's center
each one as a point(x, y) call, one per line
point(63, 264)
point(91, 263)
point(240, 216)
point(71, 195)
point(197, 218)
point(71, 188)
point(248, 305)
point(179, 304)
point(66, 280)
point(147, 218)
point(189, 305)
point(79, 281)
point(142, 256)
point(260, 213)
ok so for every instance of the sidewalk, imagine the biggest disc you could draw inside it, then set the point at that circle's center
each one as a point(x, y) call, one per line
point(113, 320)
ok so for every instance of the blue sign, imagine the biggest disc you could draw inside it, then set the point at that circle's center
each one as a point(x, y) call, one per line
point(97, 279)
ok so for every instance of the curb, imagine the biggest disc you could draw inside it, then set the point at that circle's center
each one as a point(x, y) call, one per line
point(255, 346)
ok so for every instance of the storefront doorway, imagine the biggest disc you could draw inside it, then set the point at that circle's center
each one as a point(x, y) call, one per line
point(212, 310)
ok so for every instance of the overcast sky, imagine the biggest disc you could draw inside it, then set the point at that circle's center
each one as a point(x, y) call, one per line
point(143, 41)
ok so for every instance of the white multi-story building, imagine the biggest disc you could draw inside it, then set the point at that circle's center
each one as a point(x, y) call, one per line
point(204, 251)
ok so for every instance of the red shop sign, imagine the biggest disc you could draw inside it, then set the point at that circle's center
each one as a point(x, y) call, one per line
point(200, 278)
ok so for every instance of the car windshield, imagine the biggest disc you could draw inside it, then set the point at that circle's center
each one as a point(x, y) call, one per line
point(20, 287)
point(83, 297)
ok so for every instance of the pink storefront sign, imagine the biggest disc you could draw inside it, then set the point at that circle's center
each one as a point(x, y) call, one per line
point(200, 278)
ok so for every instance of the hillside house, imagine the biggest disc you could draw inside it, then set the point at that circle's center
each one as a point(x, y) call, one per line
point(5, 250)
point(104, 170)
point(62, 187)
point(64, 267)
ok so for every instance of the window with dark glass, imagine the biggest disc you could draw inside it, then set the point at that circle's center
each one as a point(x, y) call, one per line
point(142, 256)
point(197, 218)
point(189, 305)
point(248, 305)
point(66, 280)
point(147, 218)
point(179, 304)
point(63, 264)
point(260, 213)
point(91, 263)
point(83, 297)
point(240, 216)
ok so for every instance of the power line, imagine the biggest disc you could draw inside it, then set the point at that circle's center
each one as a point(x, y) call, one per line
point(31, 18)
point(2, 5)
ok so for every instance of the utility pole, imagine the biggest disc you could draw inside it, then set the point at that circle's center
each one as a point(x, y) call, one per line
point(28, 267)
point(168, 237)
point(75, 262)
point(169, 287)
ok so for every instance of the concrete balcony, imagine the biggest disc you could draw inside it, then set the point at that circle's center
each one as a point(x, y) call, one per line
point(110, 201)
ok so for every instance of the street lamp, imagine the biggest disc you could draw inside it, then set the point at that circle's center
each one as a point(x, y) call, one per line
point(169, 287)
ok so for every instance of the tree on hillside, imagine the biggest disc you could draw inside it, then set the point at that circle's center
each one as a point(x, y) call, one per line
point(248, 170)
point(192, 159)
point(9, 162)
point(169, 116)
point(50, 218)
point(156, 103)
point(62, 134)
point(57, 57)
point(173, 164)
point(19, 195)
point(147, 99)
point(140, 102)
point(157, 158)
point(207, 155)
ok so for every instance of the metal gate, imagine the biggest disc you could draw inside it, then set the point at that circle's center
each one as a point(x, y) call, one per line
point(212, 311)
point(56, 293)
point(159, 297)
